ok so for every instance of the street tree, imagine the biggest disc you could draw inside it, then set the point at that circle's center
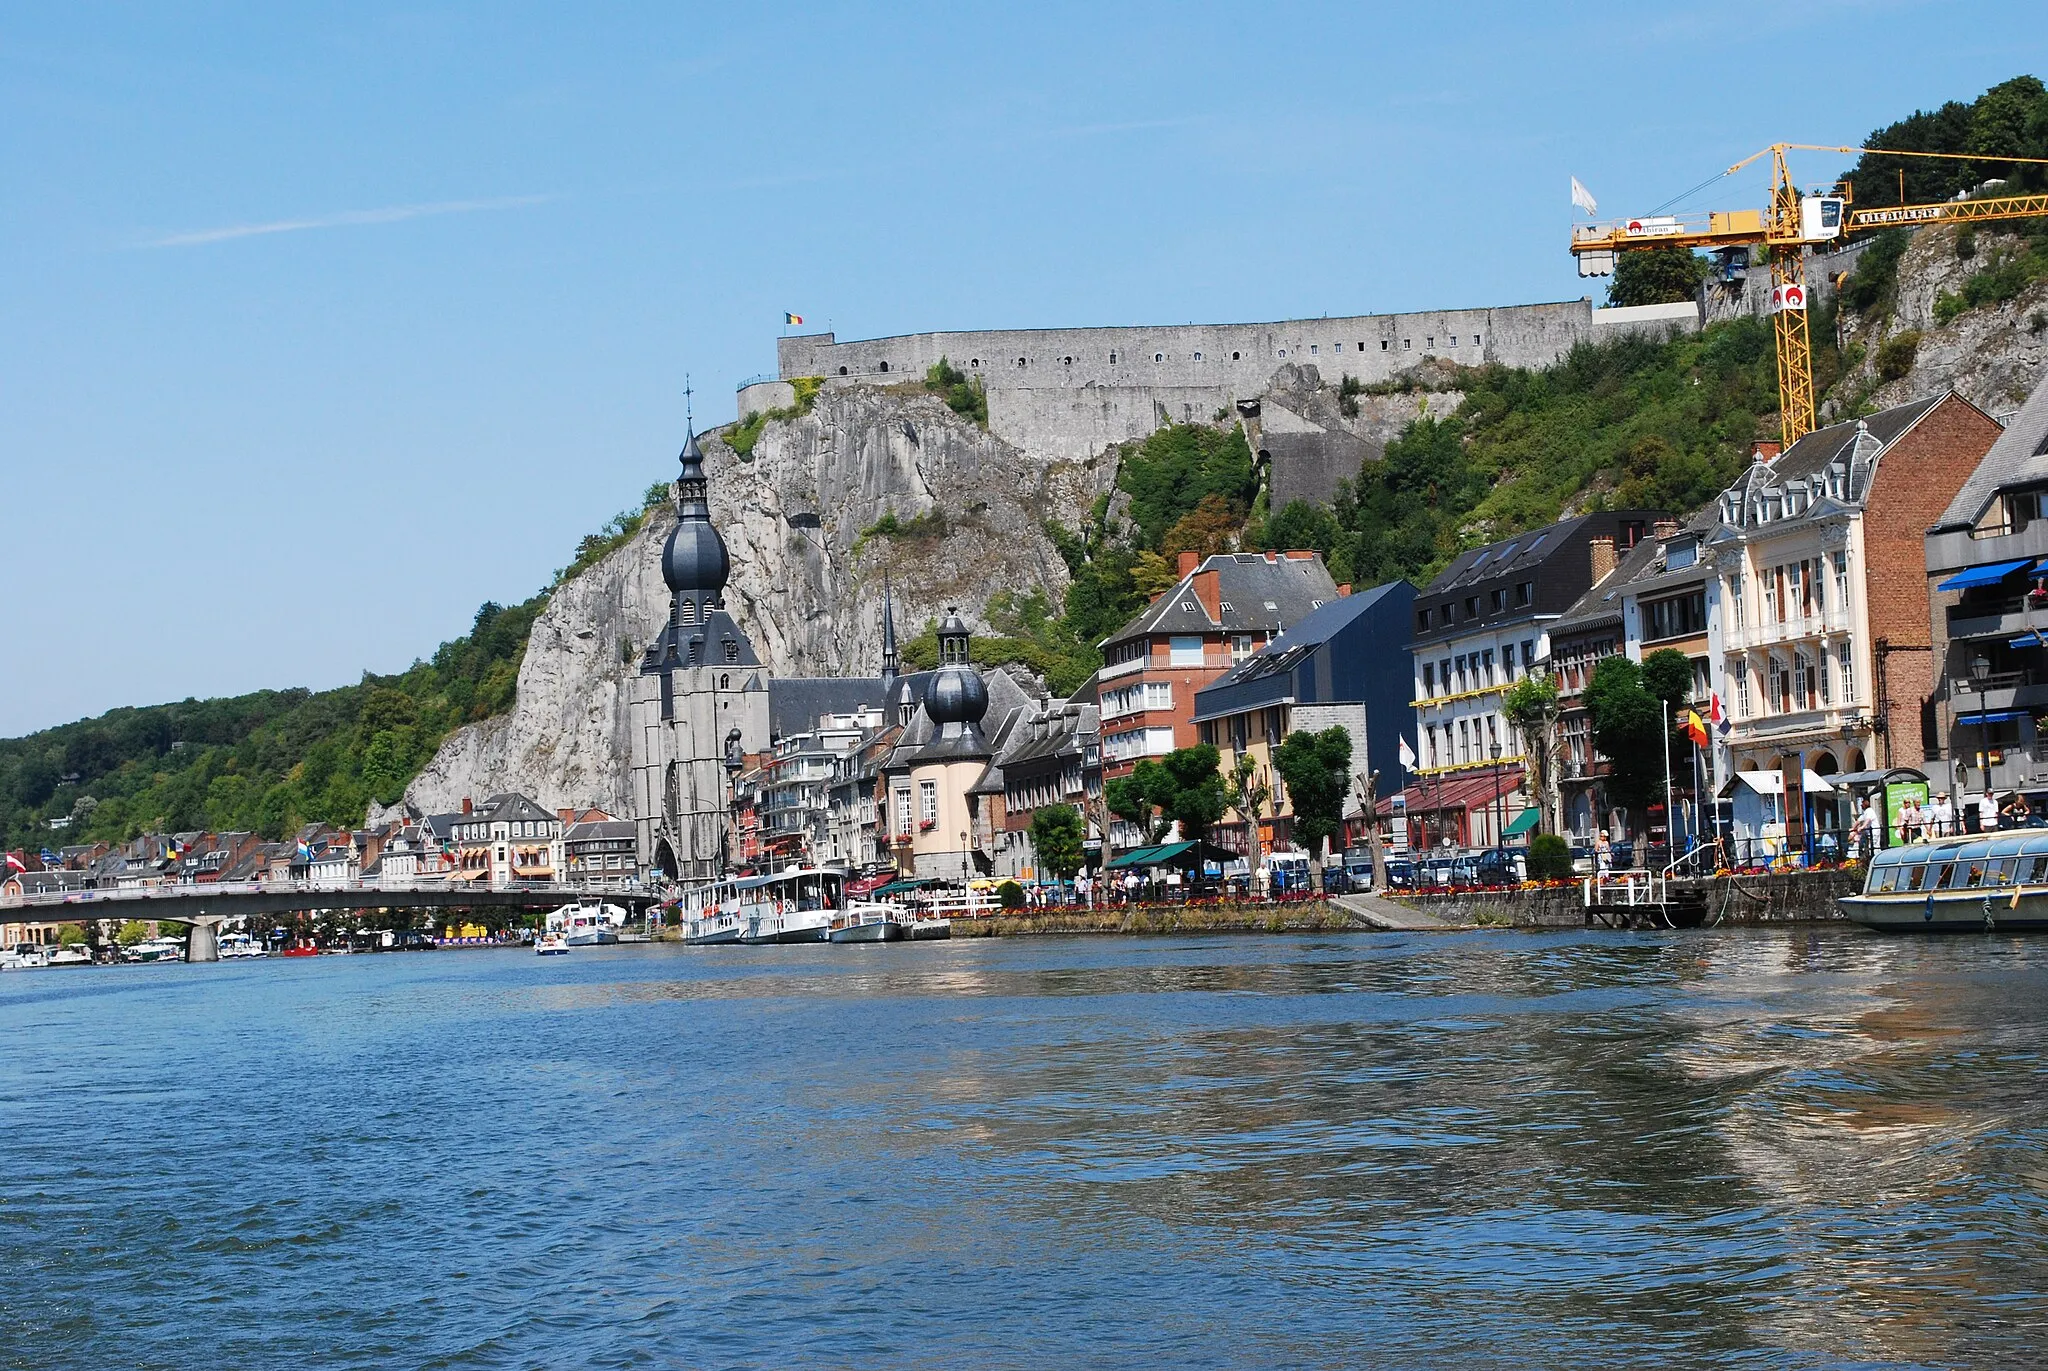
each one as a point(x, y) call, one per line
point(1056, 836)
point(1531, 705)
point(1629, 706)
point(1248, 796)
point(1182, 787)
point(1316, 768)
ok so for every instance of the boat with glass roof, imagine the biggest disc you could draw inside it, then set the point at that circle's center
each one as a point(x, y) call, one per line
point(1956, 885)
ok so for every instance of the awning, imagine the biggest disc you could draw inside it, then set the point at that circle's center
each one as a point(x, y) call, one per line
point(1971, 717)
point(1523, 822)
point(1188, 854)
point(2025, 640)
point(1773, 783)
point(1984, 575)
point(903, 887)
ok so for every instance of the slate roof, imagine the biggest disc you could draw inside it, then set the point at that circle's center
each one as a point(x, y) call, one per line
point(511, 808)
point(2018, 458)
point(1256, 595)
point(795, 703)
point(1855, 444)
point(599, 830)
point(1601, 604)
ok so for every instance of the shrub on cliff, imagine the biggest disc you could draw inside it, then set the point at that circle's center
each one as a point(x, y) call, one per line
point(965, 396)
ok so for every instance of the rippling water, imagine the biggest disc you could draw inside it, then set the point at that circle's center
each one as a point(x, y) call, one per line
point(1768, 1148)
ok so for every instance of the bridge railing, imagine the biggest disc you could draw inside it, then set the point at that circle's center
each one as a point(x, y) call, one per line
point(55, 899)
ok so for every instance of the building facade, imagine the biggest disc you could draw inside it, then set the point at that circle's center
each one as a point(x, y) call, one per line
point(507, 838)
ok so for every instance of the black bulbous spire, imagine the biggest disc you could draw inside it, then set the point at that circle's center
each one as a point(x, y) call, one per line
point(694, 561)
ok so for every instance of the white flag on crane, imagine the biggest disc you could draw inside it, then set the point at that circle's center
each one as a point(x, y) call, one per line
point(1583, 198)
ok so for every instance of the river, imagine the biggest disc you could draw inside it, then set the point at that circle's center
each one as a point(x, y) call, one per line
point(1751, 1147)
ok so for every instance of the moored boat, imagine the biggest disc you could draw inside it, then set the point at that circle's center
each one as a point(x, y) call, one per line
point(796, 905)
point(1996, 881)
point(551, 944)
point(864, 922)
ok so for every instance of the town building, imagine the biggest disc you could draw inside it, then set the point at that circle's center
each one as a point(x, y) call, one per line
point(1052, 756)
point(1223, 609)
point(598, 851)
point(1828, 656)
point(508, 838)
point(1330, 669)
point(1481, 626)
point(1986, 556)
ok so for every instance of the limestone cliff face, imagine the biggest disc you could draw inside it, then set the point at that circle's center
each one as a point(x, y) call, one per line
point(806, 583)
point(1992, 356)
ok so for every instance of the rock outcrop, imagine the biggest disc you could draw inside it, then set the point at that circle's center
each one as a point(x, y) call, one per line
point(1992, 355)
point(868, 482)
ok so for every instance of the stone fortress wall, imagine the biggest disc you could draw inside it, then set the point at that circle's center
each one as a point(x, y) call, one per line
point(1069, 393)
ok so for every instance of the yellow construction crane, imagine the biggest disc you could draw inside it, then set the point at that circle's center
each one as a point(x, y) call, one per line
point(1787, 227)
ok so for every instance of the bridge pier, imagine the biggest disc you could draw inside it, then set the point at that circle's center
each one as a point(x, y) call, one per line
point(202, 944)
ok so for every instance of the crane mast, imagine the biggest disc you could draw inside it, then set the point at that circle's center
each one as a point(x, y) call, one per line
point(1786, 228)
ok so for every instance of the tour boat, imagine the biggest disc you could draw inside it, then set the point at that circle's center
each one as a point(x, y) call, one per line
point(792, 906)
point(866, 922)
point(1994, 881)
point(158, 950)
point(234, 945)
point(553, 943)
point(587, 925)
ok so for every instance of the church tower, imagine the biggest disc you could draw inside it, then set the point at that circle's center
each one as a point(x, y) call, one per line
point(699, 702)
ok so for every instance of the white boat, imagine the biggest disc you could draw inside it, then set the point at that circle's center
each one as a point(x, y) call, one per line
point(26, 957)
point(1996, 881)
point(792, 906)
point(158, 950)
point(551, 944)
point(236, 945)
point(864, 921)
point(70, 956)
point(587, 925)
point(926, 929)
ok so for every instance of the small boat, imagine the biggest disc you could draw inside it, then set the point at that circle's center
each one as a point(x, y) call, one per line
point(552, 943)
point(862, 922)
point(158, 950)
point(926, 930)
point(1994, 881)
point(583, 925)
point(303, 950)
point(26, 957)
point(70, 956)
point(236, 945)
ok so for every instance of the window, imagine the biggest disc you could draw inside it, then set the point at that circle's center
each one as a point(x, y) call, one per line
point(1471, 606)
point(1528, 654)
point(1842, 580)
point(1454, 340)
point(1741, 673)
point(1184, 650)
point(1525, 593)
point(1314, 349)
point(1158, 695)
point(1428, 679)
point(1486, 662)
point(1241, 647)
point(1847, 664)
point(1500, 599)
point(1429, 754)
point(1818, 582)
point(1464, 741)
point(732, 654)
point(1112, 359)
point(1158, 741)
point(1383, 344)
point(1802, 682)
point(1158, 356)
point(1781, 684)
point(1198, 357)
point(1676, 617)
point(1430, 341)
point(1821, 670)
point(1236, 356)
point(1771, 597)
point(928, 800)
point(1407, 343)
point(1461, 673)
point(1735, 605)
point(1422, 621)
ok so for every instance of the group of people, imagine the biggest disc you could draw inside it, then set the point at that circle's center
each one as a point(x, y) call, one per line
point(1938, 818)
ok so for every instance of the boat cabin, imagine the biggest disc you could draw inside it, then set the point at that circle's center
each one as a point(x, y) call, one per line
point(2008, 860)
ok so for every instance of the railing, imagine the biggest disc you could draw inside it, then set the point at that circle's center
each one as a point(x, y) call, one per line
point(757, 380)
point(1631, 888)
point(215, 889)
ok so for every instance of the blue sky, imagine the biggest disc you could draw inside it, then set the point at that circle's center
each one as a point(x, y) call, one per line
point(321, 325)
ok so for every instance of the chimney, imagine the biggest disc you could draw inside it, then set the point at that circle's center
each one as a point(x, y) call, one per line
point(1343, 589)
point(1188, 562)
point(1664, 528)
point(1602, 550)
point(1208, 588)
point(467, 807)
point(1766, 451)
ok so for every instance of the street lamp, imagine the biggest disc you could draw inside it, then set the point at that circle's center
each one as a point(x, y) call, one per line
point(965, 866)
point(734, 760)
point(1980, 672)
point(1500, 815)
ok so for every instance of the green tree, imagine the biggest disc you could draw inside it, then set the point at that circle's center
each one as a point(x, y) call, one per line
point(1182, 787)
point(132, 932)
point(1010, 895)
point(1656, 276)
point(1248, 796)
point(1316, 768)
point(1057, 836)
point(1177, 467)
point(1531, 706)
point(1629, 706)
point(70, 935)
point(1550, 858)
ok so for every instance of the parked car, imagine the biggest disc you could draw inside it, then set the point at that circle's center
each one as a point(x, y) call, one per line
point(1501, 866)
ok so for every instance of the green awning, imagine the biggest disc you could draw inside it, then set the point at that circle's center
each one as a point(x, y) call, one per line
point(1137, 856)
point(901, 887)
point(1189, 853)
point(1523, 822)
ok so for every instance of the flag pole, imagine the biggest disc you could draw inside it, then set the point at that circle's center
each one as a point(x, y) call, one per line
point(1670, 827)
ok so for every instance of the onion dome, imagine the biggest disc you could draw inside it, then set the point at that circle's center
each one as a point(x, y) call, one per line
point(956, 693)
point(694, 561)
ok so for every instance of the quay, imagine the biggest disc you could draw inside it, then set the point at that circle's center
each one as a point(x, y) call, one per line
point(203, 908)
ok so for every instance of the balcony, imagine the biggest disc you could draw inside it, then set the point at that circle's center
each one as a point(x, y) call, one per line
point(2002, 690)
point(1835, 619)
point(1949, 552)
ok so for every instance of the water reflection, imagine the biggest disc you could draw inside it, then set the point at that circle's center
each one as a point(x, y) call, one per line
point(1788, 1148)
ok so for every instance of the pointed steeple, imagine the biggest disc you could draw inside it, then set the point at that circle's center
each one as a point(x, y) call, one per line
point(890, 661)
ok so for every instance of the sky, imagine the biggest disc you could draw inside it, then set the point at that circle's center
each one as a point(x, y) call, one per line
point(320, 325)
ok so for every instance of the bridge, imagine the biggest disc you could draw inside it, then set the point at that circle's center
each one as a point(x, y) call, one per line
point(205, 907)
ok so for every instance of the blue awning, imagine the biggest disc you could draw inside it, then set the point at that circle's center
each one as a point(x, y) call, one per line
point(2025, 640)
point(1992, 716)
point(1984, 575)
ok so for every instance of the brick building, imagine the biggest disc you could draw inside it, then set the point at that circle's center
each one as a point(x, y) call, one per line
point(1221, 611)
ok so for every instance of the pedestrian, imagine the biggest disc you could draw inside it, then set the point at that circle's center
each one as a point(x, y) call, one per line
point(1942, 821)
point(1987, 812)
point(1603, 851)
point(1863, 833)
point(2017, 812)
point(1909, 820)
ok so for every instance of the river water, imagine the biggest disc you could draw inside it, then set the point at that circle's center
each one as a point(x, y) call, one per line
point(1766, 1148)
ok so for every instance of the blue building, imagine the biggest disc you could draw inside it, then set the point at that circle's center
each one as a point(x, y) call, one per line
point(1344, 664)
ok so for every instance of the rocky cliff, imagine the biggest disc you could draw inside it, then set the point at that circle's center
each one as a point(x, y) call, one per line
point(868, 483)
point(1992, 355)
